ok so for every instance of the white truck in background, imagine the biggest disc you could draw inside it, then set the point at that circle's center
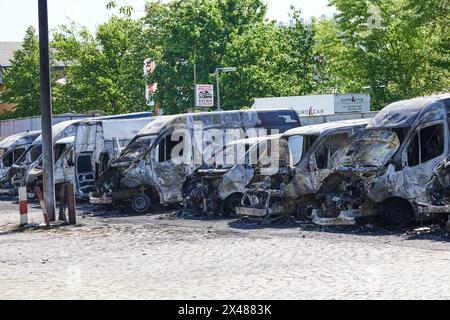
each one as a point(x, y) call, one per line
point(333, 107)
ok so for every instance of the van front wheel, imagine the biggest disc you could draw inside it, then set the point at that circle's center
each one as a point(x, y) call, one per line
point(230, 204)
point(397, 213)
point(141, 203)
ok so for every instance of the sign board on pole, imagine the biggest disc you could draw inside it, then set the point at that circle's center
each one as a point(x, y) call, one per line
point(204, 95)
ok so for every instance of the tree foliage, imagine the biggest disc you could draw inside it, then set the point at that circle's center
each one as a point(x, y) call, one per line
point(104, 71)
point(387, 48)
point(22, 79)
point(272, 60)
point(197, 32)
point(392, 49)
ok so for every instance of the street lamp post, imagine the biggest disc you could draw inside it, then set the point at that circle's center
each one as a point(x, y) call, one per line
point(225, 69)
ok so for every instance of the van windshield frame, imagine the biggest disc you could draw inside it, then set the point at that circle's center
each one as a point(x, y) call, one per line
point(137, 148)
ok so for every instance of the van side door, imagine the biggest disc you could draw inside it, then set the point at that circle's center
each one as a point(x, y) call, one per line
point(319, 163)
point(65, 167)
point(170, 166)
point(425, 149)
point(8, 159)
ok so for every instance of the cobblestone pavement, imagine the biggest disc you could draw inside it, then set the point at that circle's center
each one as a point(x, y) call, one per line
point(115, 255)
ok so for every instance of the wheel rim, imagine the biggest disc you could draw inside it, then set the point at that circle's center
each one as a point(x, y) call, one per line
point(140, 203)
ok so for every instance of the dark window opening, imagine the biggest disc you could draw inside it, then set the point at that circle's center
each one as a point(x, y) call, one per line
point(431, 142)
point(70, 161)
point(35, 153)
point(328, 147)
point(427, 144)
point(401, 133)
point(166, 146)
point(84, 164)
point(59, 150)
point(18, 153)
point(413, 152)
point(322, 157)
point(103, 162)
point(8, 160)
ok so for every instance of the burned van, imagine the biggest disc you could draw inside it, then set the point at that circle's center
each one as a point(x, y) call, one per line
point(11, 149)
point(217, 188)
point(96, 143)
point(290, 188)
point(385, 169)
point(153, 167)
point(31, 158)
point(95, 140)
point(64, 166)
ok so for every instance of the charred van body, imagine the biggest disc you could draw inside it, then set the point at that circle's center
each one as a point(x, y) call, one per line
point(96, 143)
point(27, 170)
point(218, 189)
point(153, 168)
point(384, 170)
point(81, 158)
point(31, 158)
point(11, 149)
point(307, 161)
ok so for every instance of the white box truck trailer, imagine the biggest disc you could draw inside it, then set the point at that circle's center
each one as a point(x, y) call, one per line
point(318, 105)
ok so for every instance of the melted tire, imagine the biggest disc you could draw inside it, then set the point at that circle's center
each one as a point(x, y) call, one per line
point(397, 213)
point(230, 204)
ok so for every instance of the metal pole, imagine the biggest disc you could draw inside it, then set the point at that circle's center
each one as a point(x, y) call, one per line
point(195, 85)
point(46, 113)
point(218, 89)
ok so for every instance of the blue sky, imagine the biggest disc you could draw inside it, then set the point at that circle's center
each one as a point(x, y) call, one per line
point(17, 15)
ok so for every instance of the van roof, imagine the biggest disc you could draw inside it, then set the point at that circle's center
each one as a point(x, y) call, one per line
point(155, 126)
point(125, 116)
point(58, 129)
point(66, 140)
point(254, 140)
point(403, 113)
point(120, 117)
point(318, 129)
point(19, 139)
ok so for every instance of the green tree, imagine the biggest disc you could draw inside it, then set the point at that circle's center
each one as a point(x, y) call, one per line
point(382, 47)
point(259, 66)
point(278, 60)
point(196, 32)
point(22, 79)
point(105, 70)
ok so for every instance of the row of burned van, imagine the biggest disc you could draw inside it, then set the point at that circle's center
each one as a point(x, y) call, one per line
point(254, 163)
point(395, 168)
point(89, 152)
point(342, 172)
point(102, 137)
point(84, 148)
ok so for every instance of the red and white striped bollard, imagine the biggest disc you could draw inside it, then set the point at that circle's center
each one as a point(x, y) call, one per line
point(23, 206)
